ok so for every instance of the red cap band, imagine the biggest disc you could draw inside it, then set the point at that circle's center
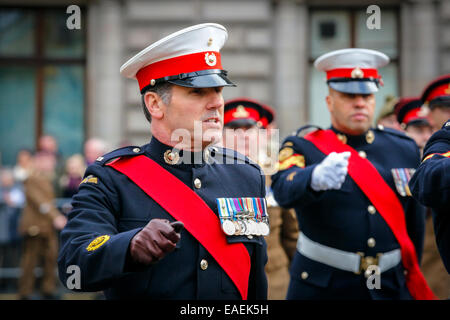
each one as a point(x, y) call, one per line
point(181, 64)
point(412, 115)
point(234, 114)
point(442, 90)
point(353, 73)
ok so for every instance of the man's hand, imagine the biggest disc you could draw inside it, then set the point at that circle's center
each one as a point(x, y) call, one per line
point(59, 222)
point(153, 242)
point(331, 172)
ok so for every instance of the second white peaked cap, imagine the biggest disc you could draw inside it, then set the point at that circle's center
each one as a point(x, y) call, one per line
point(189, 57)
point(352, 70)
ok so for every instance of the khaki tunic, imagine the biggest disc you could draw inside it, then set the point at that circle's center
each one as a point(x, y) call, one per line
point(432, 266)
point(40, 238)
point(281, 246)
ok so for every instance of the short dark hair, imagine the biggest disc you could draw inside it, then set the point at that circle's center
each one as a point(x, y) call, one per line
point(163, 89)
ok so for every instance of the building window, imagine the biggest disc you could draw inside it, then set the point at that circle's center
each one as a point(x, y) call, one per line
point(42, 80)
point(333, 29)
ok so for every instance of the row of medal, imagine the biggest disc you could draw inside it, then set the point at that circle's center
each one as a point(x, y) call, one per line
point(243, 216)
point(401, 178)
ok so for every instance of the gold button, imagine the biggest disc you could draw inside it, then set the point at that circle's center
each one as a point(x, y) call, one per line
point(304, 275)
point(342, 138)
point(362, 154)
point(371, 242)
point(380, 126)
point(405, 272)
point(197, 183)
point(370, 137)
point(371, 209)
point(33, 231)
point(204, 264)
point(136, 150)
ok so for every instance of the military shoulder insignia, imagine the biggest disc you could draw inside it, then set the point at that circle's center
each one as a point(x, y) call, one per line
point(287, 158)
point(302, 131)
point(394, 132)
point(285, 153)
point(446, 154)
point(232, 156)
point(90, 179)
point(97, 243)
point(243, 216)
point(291, 176)
point(115, 154)
point(401, 178)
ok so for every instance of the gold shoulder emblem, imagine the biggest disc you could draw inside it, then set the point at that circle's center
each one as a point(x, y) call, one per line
point(291, 175)
point(285, 153)
point(294, 160)
point(90, 179)
point(97, 242)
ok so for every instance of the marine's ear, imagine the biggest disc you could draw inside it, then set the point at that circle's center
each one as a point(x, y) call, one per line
point(154, 105)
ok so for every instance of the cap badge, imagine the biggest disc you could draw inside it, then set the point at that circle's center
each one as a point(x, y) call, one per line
point(210, 41)
point(447, 91)
point(210, 59)
point(357, 73)
point(241, 112)
point(424, 110)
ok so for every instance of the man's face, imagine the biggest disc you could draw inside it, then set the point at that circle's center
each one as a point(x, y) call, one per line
point(420, 134)
point(243, 140)
point(201, 108)
point(351, 113)
point(438, 116)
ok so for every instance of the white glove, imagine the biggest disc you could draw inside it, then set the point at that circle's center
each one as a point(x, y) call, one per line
point(331, 172)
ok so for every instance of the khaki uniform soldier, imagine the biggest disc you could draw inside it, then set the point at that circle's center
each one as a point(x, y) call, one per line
point(246, 116)
point(37, 226)
point(281, 247)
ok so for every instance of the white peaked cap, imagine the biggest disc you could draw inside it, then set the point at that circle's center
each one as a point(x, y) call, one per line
point(193, 52)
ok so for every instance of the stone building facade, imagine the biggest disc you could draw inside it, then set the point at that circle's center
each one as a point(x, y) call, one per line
point(268, 52)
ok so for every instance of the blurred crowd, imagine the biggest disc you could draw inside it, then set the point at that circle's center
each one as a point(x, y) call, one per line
point(35, 196)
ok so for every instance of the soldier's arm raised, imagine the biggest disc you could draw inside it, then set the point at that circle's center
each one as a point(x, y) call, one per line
point(292, 182)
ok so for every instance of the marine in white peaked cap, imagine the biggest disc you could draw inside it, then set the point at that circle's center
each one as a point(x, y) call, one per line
point(339, 180)
point(152, 221)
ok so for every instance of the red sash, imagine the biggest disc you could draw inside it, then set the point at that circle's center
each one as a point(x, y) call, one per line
point(188, 207)
point(385, 201)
